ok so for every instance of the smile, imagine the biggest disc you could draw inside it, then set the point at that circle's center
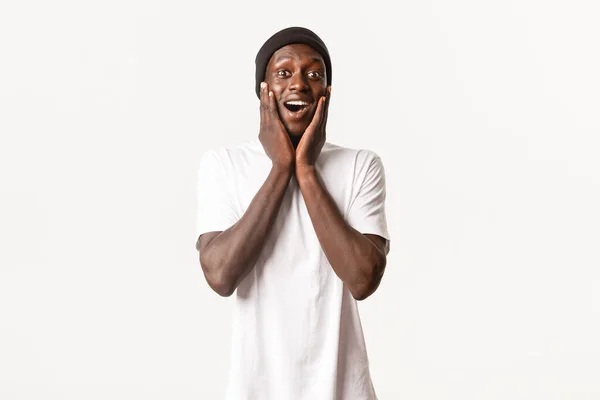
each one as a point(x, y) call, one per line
point(297, 108)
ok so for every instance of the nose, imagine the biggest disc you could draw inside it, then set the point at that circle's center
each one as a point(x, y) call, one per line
point(298, 83)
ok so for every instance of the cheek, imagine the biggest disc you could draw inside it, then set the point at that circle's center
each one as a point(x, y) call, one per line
point(320, 89)
point(273, 84)
point(276, 89)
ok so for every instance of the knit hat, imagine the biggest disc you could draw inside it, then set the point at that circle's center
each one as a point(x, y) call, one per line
point(282, 38)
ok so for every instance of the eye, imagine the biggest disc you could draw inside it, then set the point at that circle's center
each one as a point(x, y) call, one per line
point(315, 75)
point(282, 73)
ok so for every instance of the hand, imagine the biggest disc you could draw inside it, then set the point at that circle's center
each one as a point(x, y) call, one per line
point(273, 136)
point(314, 137)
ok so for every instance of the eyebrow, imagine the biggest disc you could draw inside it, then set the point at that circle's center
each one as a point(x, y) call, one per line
point(282, 58)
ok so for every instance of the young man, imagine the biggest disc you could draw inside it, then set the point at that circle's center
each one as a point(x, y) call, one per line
point(297, 225)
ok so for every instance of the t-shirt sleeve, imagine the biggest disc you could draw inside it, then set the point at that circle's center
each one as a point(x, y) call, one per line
point(215, 204)
point(367, 211)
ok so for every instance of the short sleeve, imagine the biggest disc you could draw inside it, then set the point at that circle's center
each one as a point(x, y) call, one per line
point(215, 204)
point(367, 210)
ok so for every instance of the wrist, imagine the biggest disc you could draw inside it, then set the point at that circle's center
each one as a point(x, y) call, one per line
point(283, 168)
point(305, 172)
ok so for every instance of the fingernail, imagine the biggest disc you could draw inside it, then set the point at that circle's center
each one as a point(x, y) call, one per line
point(263, 85)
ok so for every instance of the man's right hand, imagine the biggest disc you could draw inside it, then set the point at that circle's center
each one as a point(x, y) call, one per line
point(273, 136)
point(228, 256)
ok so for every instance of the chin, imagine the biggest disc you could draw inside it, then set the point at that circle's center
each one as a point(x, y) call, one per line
point(295, 131)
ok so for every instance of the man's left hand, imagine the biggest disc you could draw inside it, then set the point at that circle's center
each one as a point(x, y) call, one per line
point(313, 139)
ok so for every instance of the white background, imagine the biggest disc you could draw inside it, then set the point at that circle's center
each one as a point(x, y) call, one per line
point(484, 113)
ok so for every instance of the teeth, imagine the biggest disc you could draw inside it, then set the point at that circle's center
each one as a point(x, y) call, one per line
point(297, 103)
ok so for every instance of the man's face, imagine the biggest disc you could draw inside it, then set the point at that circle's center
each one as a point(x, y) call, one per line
point(296, 76)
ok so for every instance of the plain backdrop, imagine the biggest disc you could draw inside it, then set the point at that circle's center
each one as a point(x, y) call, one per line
point(485, 114)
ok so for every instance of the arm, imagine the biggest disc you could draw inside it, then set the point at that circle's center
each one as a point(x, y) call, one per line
point(358, 260)
point(227, 257)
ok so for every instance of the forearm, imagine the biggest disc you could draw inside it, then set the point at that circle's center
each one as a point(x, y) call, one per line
point(354, 258)
point(231, 255)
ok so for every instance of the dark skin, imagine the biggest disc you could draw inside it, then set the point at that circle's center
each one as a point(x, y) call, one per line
point(294, 101)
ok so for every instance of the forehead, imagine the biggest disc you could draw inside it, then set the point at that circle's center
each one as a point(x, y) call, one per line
point(297, 52)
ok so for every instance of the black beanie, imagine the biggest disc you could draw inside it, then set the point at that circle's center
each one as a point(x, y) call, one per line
point(283, 38)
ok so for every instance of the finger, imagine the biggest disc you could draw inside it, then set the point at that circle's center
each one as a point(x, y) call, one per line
point(264, 101)
point(328, 98)
point(271, 102)
point(262, 104)
point(325, 109)
point(323, 113)
point(273, 107)
point(318, 117)
point(324, 126)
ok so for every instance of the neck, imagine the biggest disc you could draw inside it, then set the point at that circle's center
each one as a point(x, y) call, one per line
point(295, 140)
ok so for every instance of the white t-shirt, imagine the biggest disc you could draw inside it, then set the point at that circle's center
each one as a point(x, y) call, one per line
point(296, 332)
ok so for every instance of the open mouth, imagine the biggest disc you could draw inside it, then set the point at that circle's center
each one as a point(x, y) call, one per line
point(297, 107)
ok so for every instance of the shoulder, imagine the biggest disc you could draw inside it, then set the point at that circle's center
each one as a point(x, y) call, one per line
point(333, 153)
point(252, 147)
point(229, 156)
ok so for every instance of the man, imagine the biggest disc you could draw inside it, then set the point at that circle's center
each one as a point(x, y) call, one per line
point(297, 225)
